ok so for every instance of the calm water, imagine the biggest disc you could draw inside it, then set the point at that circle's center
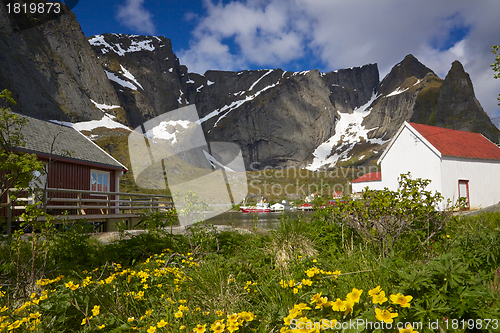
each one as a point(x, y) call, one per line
point(248, 220)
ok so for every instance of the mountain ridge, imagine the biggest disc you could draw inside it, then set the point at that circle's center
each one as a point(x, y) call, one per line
point(278, 118)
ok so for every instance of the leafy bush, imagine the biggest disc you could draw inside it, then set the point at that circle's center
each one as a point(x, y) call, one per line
point(407, 215)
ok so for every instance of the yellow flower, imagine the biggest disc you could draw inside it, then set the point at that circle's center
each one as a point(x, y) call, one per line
point(233, 317)
point(71, 285)
point(232, 327)
point(162, 323)
point(316, 298)
point(200, 328)
point(219, 313)
point(246, 316)
point(354, 295)
point(101, 326)
point(130, 319)
point(182, 327)
point(374, 291)
point(291, 283)
point(84, 321)
point(14, 325)
point(218, 326)
point(385, 315)
point(306, 282)
point(408, 329)
point(95, 310)
point(183, 308)
point(295, 290)
point(339, 305)
point(301, 306)
point(178, 314)
point(380, 298)
point(403, 301)
point(151, 329)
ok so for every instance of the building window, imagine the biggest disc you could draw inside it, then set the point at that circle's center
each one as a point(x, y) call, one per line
point(99, 181)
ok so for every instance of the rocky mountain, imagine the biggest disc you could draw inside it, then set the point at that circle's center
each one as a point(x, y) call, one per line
point(278, 118)
point(50, 67)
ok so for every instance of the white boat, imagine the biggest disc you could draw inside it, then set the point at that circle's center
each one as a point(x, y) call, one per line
point(260, 207)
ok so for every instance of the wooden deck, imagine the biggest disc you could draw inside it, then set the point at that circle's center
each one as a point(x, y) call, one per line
point(106, 207)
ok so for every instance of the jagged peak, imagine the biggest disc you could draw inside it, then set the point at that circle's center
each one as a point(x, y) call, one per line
point(408, 67)
point(458, 79)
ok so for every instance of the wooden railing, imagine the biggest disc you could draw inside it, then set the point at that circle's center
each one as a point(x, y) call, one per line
point(83, 204)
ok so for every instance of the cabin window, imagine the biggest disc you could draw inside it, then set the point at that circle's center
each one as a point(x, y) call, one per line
point(99, 181)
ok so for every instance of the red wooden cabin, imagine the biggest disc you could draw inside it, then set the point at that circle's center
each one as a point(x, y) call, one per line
point(72, 162)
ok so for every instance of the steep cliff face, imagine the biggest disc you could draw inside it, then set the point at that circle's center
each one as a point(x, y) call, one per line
point(278, 118)
point(50, 67)
point(144, 72)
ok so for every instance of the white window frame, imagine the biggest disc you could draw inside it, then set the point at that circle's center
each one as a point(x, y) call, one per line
point(102, 174)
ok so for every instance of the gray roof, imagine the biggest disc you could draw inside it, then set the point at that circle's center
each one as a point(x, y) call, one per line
point(69, 143)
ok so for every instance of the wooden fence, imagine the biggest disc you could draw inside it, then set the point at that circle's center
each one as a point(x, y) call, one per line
point(65, 204)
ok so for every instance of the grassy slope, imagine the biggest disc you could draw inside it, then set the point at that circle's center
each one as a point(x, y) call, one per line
point(275, 185)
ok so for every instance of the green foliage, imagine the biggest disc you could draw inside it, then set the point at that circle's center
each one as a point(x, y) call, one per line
point(16, 168)
point(157, 223)
point(407, 215)
point(496, 64)
point(457, 279)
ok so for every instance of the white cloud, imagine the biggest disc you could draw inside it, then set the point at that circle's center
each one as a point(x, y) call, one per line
point(274, 33)
point(133, 15)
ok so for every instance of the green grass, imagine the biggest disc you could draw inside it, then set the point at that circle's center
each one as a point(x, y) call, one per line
point(144, 282)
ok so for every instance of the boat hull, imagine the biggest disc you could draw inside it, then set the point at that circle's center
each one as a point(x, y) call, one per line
point(255, 210)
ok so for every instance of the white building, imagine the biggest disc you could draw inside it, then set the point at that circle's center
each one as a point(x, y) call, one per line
point(373, 180)
point(459, 164)
point(278, 207)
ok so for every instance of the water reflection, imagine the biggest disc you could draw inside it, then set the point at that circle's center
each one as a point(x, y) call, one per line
point(252, 220)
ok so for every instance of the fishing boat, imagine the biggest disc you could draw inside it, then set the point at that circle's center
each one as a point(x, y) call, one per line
point(261, 207)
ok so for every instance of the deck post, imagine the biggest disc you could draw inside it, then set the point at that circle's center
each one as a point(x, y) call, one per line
point(108, 197)
point(79, 203)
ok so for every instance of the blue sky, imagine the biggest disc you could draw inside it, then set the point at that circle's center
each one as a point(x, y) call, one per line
point(306, 34)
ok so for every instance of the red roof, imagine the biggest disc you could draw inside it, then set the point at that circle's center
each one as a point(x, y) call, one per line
point(337, 194)
point(458, 143)
point(369, 177)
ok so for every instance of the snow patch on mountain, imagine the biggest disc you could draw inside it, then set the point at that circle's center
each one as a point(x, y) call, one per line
point(129, 76)
point(137, 43)
point(234, 105)
point(348, 132)
point(123, 83)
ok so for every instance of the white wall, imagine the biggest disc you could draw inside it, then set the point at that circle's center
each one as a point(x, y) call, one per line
point(483, 177)
point(373, 185)
point(409, 153)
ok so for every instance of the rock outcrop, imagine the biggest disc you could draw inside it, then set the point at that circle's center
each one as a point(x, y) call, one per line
point(50, 67)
